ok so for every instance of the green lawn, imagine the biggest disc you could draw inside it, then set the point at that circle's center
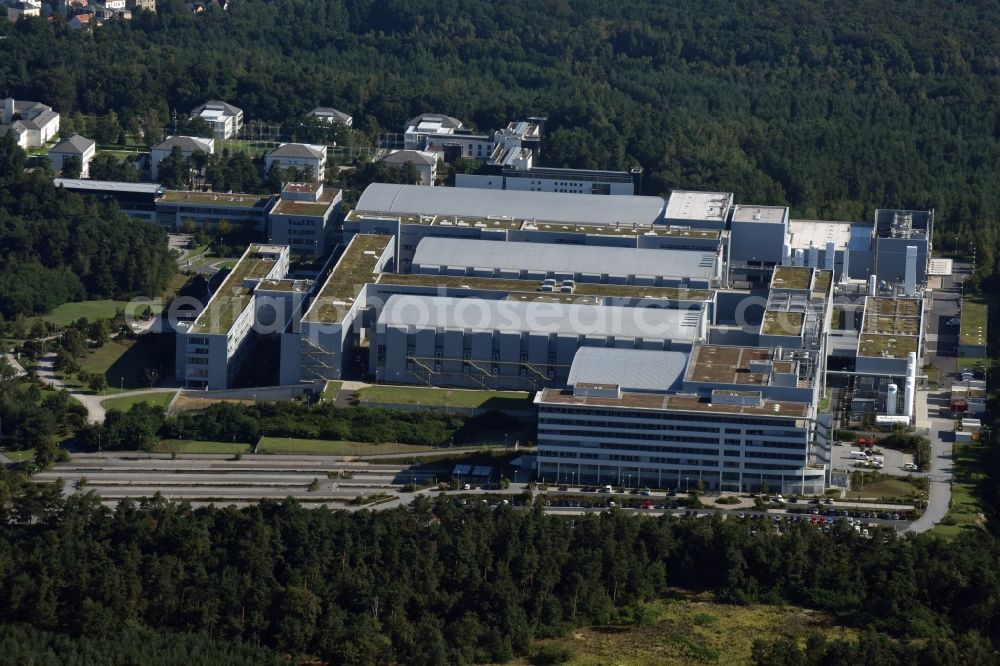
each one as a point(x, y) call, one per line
point(933, 374)
point(124, 404)
point(973, 327)
point(21, 456)
point(122, 364)
point(286, 445)
point(200, 250)
point(331, 390)
point(102, 358)
point(200, 446)
point(67, 313)
point(965, 508)
point(878, 486)
point(176, 283)
point(438, 397)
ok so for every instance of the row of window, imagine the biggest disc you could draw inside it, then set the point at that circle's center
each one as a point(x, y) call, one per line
point(697, 463)
point(798, 446)
point(669, 416)
point(587, 423)
point(583, 472)
point(547, 432)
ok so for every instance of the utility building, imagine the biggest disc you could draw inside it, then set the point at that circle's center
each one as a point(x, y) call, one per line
point(512, 344)
point(538, 261)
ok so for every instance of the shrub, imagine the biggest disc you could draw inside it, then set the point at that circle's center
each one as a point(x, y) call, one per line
point(551, 654)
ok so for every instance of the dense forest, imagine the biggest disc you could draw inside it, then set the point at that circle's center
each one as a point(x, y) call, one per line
point(57, 247)
point(441, 583)
point(143, 425)
point(833, 108)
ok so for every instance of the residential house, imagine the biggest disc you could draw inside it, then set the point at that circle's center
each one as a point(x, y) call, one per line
point(424, 161)
point(17, 10)
point(303, 156)
point(34, 123)
point(115, 9)
point(188, 145)
point(225, 119)
point(19, 130)
point(331, 115)
point(147, 5)
point(419, 128)
point(82, 22)
point(74, 146)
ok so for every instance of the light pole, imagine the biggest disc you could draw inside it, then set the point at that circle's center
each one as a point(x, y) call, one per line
point(629, 477)
point(687, 484)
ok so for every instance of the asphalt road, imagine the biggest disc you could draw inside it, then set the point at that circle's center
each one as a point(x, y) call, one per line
point(220, 480)
point(942, 341)
point(942, 465)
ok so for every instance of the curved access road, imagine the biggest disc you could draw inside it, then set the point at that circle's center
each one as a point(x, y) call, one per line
point(95, 410)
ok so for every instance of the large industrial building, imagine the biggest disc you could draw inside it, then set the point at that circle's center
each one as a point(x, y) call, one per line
point(731, 418)
point(669, 342)
point(253, 300)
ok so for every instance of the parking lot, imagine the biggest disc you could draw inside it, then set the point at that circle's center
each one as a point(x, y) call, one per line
point(895, 461)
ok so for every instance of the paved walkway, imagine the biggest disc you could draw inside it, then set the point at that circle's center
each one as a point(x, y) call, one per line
point(19, 370)
point(942, 466)
point(95, 410)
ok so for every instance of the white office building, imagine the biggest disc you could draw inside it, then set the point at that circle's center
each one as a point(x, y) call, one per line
point(225, 119)
point(671, 420)
point(254, 298)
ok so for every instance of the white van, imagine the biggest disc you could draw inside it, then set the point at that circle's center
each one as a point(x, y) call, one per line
point(607, 489)
point(859, 455)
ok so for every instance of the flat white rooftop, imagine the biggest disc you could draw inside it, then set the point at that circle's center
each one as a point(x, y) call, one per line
point(559, 258)
point(818, 232)
point(761, 214)
point(108, 185)
point(939, 266)
point(510, 204)
point(539, 317)
point(708, 206)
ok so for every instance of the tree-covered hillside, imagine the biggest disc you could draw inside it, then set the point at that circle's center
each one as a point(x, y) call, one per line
point(834, 108)
point(57, 247)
